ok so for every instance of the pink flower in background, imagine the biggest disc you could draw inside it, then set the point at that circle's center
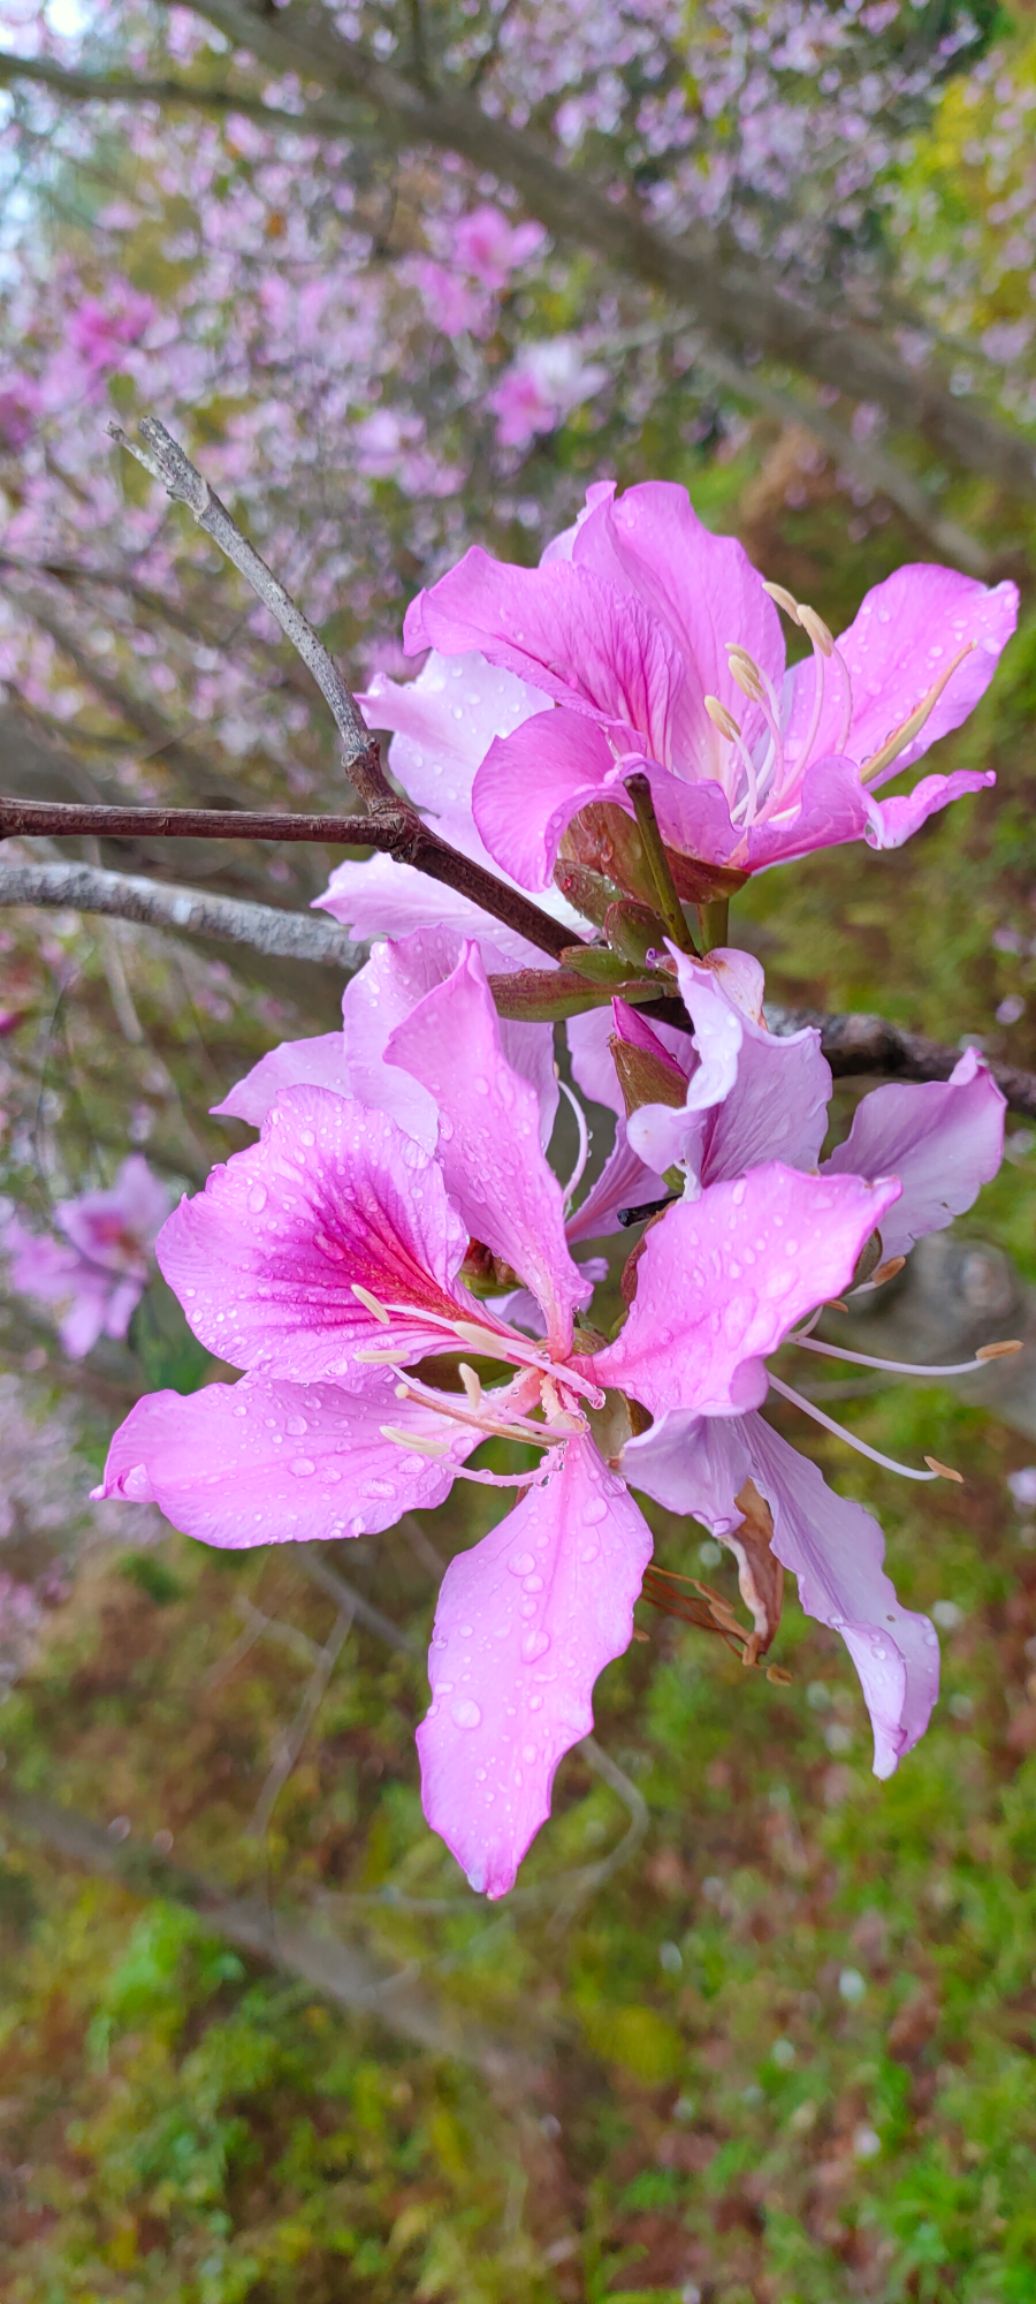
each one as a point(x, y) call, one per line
point(20, 404)
point(539, 389)
point(101, 332)
point(489, 247)
point(95, 1266)
point(338, 1253)
point(660, 649)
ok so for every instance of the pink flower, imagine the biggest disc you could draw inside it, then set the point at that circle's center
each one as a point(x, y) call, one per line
point(101, 333)
point(748, 1095)
point(333, 1257)
point(540, 389)
point(490, 248)
point(95, 1267)
point(660, 649)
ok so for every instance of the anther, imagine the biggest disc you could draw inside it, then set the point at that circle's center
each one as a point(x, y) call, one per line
point(370, 1304)
point(888, 1271)
point(471, 1382)
point(722, 719)
point(411, 1440)
point(999, 1351)
point(817, 631)
point(745, 670)
point(782, 598)
point(944, 1471)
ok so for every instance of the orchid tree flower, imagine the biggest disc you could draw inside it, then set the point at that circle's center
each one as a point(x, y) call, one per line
point(653, 645)
point(733, 1095)
point(339, 1253)
point(95, 1265)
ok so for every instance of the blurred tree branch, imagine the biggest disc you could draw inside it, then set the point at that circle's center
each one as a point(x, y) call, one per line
point(735, 299)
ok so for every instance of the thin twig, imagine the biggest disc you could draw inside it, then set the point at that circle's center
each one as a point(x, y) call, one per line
point(164, 458)
point(292, 1740)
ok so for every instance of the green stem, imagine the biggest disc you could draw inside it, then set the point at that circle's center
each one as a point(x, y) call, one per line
point(670, 909)
point(713, 921)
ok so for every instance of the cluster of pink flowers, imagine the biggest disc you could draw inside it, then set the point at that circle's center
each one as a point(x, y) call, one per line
point(396, 1270)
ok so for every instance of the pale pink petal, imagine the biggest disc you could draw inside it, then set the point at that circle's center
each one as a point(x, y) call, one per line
point(893, 821)
point(271, 1463)
point(265, 1260)
point(489, 1148)
point(835, 1550)
point(559, 627)
point(831, 1545)
point(778, 1106)
point(382, 898)
point(444, 722)
point(525, 1622)
point(832, 806)
point(908, 630)
point(722, 1279)
point(944, 1139)
point(318, 1062)
point(531, 784)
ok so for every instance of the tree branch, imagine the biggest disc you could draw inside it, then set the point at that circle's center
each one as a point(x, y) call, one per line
point(395, 830)
point(870, 1044)
point(168, 92)
point(182, 911)
point(164, 458)
point(341, 1973)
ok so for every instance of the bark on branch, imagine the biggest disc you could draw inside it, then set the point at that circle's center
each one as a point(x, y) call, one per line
point(856, 1045)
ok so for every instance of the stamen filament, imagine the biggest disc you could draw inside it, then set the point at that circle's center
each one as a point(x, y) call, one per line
point(986, 1353)
point(583, 1153)
point(935, 1471)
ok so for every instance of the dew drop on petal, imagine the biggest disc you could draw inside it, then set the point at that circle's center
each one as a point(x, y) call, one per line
point(465, 1713)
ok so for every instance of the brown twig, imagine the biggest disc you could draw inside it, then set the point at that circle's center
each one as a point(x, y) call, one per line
point(871, 1044)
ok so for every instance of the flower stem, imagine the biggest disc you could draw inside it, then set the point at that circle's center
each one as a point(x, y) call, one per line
point(670, 909)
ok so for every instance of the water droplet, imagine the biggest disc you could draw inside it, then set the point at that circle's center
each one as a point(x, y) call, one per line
point(596, 1511)
point(257, 1199)
point(522, 1564)
point(302, 1466)
point(534, 1645)
point(466, 1713)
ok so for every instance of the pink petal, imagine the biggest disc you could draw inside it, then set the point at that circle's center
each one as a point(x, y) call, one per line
point(265, 1259)
point(721, 1280)
point(570, 635)
point(531, 784)
point(893, 821)
point(624, 1182)
point(831, 1545)
point(907, 631)
point(835, 1550)
point(702, 588)
point(525, 1622)
point(944, 1139)
point(382, 898)
point(489, 1149)
point(444, 722)
point(386, 991)
point(749, 1094)
point(319, 1062)
point(271, 1463)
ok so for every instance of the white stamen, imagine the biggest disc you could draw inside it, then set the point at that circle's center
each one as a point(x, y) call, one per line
point(583, 1153)
point(907, 1471)
point(906, 1367)
point(817, 631)
point(417, 1445)
point(722, 719)
point(471, 1382)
